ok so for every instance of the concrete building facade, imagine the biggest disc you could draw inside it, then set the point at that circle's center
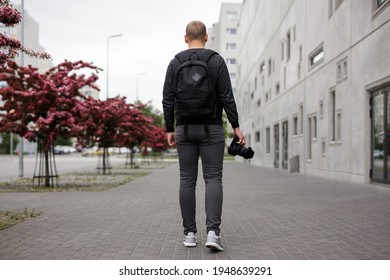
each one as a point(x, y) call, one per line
point(313, 80)
point(223, 38)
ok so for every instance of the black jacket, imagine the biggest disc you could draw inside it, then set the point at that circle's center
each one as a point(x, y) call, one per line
point(223, 87)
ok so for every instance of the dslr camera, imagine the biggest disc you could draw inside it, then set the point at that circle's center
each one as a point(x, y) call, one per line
point(237, 149)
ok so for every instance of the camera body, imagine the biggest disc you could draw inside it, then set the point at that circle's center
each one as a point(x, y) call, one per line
point(237, 149)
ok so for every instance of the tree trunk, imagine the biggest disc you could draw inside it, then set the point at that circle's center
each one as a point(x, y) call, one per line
point(104, 162)
point(47, 169)
point(104, 166)
point(132, 158)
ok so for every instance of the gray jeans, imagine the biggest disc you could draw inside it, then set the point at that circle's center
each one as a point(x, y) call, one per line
point(208, 142)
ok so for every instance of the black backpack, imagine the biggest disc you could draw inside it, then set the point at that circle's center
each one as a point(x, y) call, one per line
point(195, 93)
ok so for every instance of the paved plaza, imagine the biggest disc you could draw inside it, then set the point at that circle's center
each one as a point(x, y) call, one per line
point(268, 214)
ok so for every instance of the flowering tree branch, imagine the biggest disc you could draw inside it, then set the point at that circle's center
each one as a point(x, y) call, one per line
point(9, 47)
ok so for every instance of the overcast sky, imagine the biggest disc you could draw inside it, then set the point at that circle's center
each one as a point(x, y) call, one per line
point(152, 33)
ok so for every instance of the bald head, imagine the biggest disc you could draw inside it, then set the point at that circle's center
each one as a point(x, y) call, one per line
point(196, 30)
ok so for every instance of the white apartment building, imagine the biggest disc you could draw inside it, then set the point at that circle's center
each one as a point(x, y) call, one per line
point(223, 38)
point(313, 86)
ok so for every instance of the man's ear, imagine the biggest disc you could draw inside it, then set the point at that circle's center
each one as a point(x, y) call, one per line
point(206, 38)
point(186, 39)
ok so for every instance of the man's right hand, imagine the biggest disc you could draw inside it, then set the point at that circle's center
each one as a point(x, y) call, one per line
point(238, 133)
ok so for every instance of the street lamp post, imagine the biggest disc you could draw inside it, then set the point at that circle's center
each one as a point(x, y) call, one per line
point(21, 139)
point(136, 84)
point(108, 52)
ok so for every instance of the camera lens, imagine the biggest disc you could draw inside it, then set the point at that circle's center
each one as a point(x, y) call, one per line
point(236, 149)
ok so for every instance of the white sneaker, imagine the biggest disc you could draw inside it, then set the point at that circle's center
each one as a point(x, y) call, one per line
point(190, 240)
point(214, 241)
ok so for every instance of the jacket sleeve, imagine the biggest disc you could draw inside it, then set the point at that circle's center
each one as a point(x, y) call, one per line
point(225, 93)
point(169, 99)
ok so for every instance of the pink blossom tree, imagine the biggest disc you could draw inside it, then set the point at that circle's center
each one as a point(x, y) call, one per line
point(41, 107)
point(157, 140)
point(108, 123)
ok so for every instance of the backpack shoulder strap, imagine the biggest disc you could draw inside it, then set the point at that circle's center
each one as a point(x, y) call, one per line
point(206, 55)
point(182, 56)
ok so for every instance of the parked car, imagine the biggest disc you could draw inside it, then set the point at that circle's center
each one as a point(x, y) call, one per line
point(118, 151)
point(94, 151)
point(58, 150)
point(171, 152)
point(88, 152)
point(378, 154)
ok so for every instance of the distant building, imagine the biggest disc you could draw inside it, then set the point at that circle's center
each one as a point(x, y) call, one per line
point(313, 86)
point(223, 37)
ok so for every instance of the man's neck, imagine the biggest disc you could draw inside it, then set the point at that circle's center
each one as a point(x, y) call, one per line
point(194, 44)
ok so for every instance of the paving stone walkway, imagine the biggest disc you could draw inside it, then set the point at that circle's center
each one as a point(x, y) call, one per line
point(268, 214)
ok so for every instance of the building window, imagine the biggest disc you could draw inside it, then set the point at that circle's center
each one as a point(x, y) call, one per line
point(231, 31)
point(231, 16)
point(342, 70)
point(257, 136)
point(262, 67)
point(301, 117)
point(268, 140)
point(269, 66)
point(233, 76)
point(231, 61)
point(316, 56)
point(323, 147)
point(379, 4)
point(288, 46)
point(338, 77)
point(284, 77)
point(255, 83)
point(300, 53)
point(231, 46)
point(277, 89)
point(312, 134)
point(339, 126)
point(299, 70)
point(345, 69)
point(310, 138)
point(258, 104)
point(332, 103)
point(321, 109)
point(282, 50)
point(295, 124)
point(299, 63)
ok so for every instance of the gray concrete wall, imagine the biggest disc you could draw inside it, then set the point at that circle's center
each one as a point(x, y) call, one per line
point(354, 36)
